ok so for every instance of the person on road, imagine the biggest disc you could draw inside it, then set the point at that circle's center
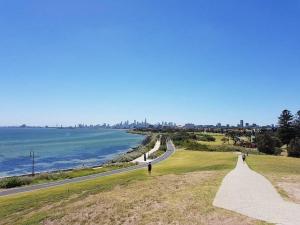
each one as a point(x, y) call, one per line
point(149, 168)
point(244, 157)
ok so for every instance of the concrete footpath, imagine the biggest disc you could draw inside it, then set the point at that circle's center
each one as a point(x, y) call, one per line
point(141, 158)
point(251, 194)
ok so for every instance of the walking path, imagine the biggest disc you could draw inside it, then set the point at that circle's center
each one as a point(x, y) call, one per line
point(170, 150)
point(249, 193)
point(141, 159)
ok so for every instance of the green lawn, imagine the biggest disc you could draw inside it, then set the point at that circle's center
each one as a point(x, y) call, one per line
point(279, 165)
point(282, 171)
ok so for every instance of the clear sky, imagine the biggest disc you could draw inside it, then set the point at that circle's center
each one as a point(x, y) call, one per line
point(200, 61)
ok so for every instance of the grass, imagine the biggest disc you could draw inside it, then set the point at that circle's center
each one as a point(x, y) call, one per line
point(55, 176)
point(54, 204)
point(267, 164)
point(218, 140)
point(283, 172)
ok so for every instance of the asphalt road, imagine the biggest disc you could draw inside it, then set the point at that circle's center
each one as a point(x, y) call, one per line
point(170, 150)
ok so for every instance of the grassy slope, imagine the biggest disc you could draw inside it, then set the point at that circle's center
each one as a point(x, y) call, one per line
point(34, 207)
point(80, 173)
point(277, 169)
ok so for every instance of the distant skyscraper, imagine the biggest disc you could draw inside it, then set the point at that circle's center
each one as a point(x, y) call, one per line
point(242, 123)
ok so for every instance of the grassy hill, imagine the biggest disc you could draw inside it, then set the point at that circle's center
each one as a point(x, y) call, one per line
point(180, 190)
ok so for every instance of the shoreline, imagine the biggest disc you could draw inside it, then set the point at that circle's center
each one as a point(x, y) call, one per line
point(108, 163)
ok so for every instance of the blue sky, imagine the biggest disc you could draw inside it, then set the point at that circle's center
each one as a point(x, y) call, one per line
point(67, 62)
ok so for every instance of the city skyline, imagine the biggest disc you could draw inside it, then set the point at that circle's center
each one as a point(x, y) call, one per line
point(126, 124)
point(200, 62)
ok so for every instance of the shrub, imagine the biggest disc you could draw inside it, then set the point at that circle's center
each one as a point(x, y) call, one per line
point(294, 148)
point(192, 145)
point(206, 137)
point(225, 140)
point(11, 182)
point(156, 154)
point(267, 143)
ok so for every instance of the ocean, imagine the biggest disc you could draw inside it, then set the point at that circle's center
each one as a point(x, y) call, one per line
point(59, 149)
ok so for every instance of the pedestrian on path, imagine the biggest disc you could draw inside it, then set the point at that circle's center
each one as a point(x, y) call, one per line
point(149, 168)
point(244, 157)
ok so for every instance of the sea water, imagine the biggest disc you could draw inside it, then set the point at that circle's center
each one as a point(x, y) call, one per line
point(58, 149)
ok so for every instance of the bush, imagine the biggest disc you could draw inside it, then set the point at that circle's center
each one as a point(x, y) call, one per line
point(192, 145)
point(294, 148)
point(206, 137)
point(225, 140)
point(267, 143)
point(156, 154)
point(12, 182)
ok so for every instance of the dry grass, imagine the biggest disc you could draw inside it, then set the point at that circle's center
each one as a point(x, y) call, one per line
point(168, 199)
point(283, 172)
point(180, 191)
point(287, 185)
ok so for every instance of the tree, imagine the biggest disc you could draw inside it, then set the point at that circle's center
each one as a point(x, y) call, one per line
point(297, 124)
point(294, 148)
point(286, 131)
point(267, 143)
point(234, 136)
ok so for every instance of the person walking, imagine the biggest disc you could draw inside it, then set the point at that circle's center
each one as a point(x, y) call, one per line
point(149, 168)
point(244, 157)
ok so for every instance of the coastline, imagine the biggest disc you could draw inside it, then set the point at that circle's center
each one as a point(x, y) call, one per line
point(111, 164)
point(59, 150)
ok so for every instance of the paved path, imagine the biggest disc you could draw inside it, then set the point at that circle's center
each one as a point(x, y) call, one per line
point(141, 159)
point(249, 193)
point(170, 150)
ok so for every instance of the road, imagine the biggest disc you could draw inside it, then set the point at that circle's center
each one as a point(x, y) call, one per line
point(170, 150)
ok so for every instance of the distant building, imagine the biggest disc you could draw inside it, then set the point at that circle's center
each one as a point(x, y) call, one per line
point(242, 123)
point(189, 126)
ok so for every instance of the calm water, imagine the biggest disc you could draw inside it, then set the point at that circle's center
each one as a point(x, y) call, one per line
point(57, 149)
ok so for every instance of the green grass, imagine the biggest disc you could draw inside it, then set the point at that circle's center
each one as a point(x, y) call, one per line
point(55, 176)
point(267, 164)
point(277, 169)
point(13, 209)
point(218, 141)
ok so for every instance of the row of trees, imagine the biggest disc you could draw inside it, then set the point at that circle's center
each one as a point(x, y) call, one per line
point(288, 133)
